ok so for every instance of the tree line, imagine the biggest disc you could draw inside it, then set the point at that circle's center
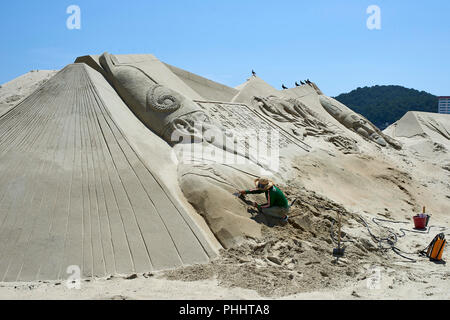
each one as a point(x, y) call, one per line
point(383, 105)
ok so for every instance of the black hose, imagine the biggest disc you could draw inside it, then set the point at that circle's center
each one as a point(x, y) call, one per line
point(392, 239)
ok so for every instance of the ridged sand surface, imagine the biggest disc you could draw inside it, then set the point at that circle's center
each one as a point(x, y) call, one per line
point(74, 192)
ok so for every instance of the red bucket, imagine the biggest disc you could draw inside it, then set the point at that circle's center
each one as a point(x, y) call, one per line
point(419, 222)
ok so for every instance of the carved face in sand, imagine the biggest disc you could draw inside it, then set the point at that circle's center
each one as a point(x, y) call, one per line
point(194, 127)
point(351, 120)
point(166, 112)
point(363, 127)
point(160, 108)
point(354, 121)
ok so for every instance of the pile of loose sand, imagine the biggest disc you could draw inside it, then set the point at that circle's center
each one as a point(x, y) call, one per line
point(296, 258)
point(292, 258)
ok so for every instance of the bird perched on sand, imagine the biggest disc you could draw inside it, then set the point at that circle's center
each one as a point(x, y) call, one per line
point(308, 82)
point(296, 84)
point(284, 87)
point(253, 73)
point(301, 82)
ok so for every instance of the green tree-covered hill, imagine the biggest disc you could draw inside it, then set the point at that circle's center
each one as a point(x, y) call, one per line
point(383, 105)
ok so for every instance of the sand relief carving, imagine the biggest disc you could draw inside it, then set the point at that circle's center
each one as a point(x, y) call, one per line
point(182, 123)
point(162, 109)
point(242, 123)
point(356, 122)
point(303, 121)
point(175, 118)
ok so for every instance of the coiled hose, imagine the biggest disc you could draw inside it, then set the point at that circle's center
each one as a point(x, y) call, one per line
point(390, 240)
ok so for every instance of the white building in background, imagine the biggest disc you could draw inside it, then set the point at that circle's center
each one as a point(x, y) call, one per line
point(444, 105)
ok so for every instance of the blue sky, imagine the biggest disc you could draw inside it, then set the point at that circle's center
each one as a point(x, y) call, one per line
point(284, 41)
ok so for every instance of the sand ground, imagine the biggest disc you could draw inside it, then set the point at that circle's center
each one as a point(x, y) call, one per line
point(393, 285)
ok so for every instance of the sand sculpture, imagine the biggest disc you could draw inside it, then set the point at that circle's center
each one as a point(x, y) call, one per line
point(182, 122)
point(176, 118)
point(75, 191)
point(158, 106)
point(146, 202)
point(305, 121)
point(356, 122)
point(168, 113)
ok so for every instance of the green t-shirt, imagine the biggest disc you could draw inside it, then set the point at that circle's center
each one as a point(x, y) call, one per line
point(276, 196)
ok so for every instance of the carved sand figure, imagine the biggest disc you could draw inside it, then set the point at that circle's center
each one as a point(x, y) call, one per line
point(166, 112)
point(294, 112)
point(356, 122)
point(159, 107)
point(303, 121)
point(210, 189)
point(181, 122)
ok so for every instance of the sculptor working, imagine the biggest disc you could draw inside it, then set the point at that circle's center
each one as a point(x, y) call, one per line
point(277, 205)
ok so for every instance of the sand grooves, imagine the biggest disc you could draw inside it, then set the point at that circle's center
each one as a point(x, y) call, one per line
point(74, 192)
